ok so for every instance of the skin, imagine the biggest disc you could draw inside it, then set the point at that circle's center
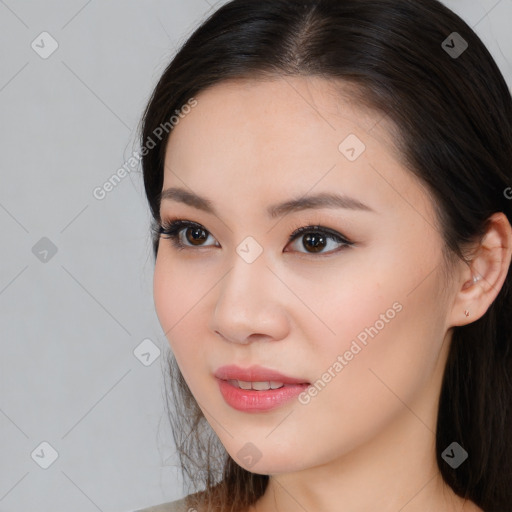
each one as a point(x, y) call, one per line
point(369, 436)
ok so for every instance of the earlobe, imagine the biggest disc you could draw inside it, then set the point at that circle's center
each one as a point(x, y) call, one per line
point(482, 280)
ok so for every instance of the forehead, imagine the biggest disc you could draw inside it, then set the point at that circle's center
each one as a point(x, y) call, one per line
point(283, 137)
point(286, 105)
point(293, 116)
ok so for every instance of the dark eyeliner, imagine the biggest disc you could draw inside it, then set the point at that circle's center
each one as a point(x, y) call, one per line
point(319, 229)
point(171, 229)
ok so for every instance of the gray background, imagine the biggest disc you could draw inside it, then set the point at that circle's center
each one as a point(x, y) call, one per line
point(73, 372)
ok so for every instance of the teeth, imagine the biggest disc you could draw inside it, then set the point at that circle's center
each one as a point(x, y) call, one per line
point(261, 386)
point(243, 385)
point(258, 386)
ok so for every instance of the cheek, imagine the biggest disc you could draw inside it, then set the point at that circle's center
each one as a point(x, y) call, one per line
point(385, 325)
point(179, 302)
point(173, 295)
point(177, 289)
point(360, 395)
point(163, 292)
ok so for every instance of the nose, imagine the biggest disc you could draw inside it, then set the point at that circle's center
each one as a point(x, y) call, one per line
point(251, 304)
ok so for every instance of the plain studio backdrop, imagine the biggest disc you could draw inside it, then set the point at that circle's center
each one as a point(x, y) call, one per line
point(82, 417)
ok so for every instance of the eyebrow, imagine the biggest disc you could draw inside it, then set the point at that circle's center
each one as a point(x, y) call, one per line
point(321, 200)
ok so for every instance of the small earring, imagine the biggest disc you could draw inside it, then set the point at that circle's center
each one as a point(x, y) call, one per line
point(466, 312)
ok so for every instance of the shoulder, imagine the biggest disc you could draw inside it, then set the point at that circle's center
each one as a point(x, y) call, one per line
point(171, 506)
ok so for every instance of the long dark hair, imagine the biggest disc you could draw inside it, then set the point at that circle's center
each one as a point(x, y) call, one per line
point(453, 112)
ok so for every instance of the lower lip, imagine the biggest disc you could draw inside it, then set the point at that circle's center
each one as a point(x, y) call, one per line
point(249, 400)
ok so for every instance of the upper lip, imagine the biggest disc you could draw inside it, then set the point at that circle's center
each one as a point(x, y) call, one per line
point(255, 374)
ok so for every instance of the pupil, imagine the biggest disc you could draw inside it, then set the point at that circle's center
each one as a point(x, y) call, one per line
point(317, 241)
point(195, 237)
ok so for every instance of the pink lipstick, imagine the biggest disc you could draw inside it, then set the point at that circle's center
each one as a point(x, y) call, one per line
point(257, 389)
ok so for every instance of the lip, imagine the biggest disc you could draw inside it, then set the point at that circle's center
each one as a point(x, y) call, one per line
point(255, 373)
point(253, 401)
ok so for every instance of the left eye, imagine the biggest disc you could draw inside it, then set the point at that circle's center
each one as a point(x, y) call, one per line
point(314, 238)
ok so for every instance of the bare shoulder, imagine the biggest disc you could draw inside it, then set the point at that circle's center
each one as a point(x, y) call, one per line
point(171, 506)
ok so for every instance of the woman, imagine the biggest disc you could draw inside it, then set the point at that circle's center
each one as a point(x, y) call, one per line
point(330, 187)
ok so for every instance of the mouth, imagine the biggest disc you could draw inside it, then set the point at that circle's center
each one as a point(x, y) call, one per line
point(257, 389)
point(257, 386)
point(258, 377)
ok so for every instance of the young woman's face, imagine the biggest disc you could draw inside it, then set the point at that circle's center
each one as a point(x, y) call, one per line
point(365, 323)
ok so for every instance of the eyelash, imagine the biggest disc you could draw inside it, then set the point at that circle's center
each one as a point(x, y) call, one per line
point(170, 229)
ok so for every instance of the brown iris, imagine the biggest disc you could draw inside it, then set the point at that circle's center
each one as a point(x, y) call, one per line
point(197, 235)
point(316, 241)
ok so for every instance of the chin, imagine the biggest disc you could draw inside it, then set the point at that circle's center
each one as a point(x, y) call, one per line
point(274, 463)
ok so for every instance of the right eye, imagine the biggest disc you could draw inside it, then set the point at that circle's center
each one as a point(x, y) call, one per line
point(192, 232)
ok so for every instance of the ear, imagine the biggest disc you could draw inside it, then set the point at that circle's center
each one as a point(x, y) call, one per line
point(489, 264)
